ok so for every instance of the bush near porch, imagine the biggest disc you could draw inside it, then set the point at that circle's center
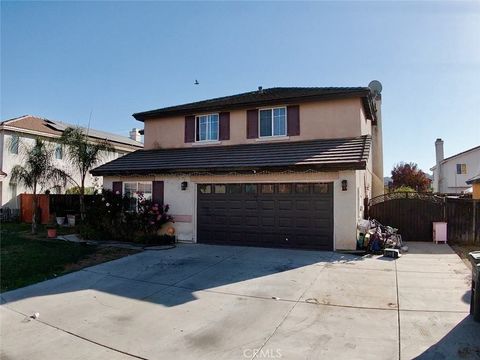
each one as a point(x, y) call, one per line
point(111, 217)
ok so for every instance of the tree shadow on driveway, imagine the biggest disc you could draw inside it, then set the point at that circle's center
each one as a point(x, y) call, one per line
point(194, 267)
point(461, 342)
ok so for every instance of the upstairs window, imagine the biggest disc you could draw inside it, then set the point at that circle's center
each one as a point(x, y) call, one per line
point(59, 152)
point(207, 127)
point(14, 144)
point(273, 122)
point(461, 169)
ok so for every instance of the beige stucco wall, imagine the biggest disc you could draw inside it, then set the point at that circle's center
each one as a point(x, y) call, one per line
point(347, 204)
point(318, 120)
point(378, 187)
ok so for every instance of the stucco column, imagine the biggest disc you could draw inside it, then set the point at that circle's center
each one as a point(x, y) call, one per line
point(377, 151)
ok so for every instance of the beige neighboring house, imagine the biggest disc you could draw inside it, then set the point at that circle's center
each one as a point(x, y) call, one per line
point(451, 175)
point(286, 167)
point(21, 132)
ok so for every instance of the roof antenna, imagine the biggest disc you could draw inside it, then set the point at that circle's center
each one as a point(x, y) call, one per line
point(89, 119)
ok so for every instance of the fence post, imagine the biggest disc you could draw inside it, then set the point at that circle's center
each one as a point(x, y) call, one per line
point(444, 202)
point(474, 222)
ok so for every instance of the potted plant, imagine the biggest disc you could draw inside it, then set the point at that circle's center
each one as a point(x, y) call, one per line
point(71, 220)
point(60, 217)
point(52, 231)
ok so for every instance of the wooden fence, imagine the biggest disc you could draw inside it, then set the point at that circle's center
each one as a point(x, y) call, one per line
point(463, 220)
point(50, 205)
point(26, 208)
point(413, 214)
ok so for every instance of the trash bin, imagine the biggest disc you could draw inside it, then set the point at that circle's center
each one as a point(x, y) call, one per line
point(474, 258)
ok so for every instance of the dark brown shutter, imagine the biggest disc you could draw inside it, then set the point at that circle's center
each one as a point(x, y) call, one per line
point(293, 120)
point(189, 129)
point(252, 124)
point(157, 192)
point(224, 125)
point(117, 187)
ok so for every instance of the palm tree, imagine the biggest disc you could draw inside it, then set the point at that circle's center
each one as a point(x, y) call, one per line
point(84, 154)
point(38, 173)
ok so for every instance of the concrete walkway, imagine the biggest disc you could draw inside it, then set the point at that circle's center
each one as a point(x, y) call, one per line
point(219, 302)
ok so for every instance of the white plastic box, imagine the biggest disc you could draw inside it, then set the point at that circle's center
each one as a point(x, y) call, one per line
point(440, 232)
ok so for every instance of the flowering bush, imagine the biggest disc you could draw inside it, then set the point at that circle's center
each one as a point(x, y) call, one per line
point(152, 216)
point(109, 217)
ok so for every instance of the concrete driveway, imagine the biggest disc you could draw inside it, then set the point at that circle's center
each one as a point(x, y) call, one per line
point(219, 302)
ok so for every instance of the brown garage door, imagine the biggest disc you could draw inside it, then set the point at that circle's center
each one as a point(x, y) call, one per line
point(295, 215)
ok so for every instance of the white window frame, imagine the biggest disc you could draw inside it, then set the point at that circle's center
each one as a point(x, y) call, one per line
point(463, 166)
point(273, 120)
point(209, 124)
point(14, 145)
point(59, 149)
point(135, 194)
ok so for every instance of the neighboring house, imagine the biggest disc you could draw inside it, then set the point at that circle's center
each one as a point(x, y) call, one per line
point(450, 175)
point(274, 167)
point(475, 183)
point(21, 132)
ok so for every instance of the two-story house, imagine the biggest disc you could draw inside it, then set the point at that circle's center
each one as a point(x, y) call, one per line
point(286, 167)
point(452, 175)
point(21, 132)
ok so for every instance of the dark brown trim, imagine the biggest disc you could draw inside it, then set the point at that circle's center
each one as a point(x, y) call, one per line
point(189, 129)
point(117, 187)
point(293, 120)
point(157, 192)
point(224, 126)
point(252, 124)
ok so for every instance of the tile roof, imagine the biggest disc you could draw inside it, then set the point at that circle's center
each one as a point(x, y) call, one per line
point(473, 180)
point(264, 97)
point(38, 124)
point(327, 154)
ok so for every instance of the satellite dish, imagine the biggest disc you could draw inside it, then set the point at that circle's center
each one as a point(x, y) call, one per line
point(375, 87)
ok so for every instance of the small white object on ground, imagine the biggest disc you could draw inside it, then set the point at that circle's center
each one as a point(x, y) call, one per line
point(35, 315)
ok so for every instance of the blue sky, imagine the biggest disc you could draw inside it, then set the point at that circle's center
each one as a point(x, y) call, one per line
point(62, 60)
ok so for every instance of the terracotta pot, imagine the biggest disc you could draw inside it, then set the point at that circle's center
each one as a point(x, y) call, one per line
point(51, 233)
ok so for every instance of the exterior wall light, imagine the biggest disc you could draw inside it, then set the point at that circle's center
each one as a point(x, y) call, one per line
point(344, 185)
point(184, 185)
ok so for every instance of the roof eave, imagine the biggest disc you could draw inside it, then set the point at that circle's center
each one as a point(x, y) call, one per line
point(360, 165)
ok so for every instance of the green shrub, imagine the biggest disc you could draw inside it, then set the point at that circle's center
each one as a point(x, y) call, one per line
point(108, 218)
point(404, 189)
